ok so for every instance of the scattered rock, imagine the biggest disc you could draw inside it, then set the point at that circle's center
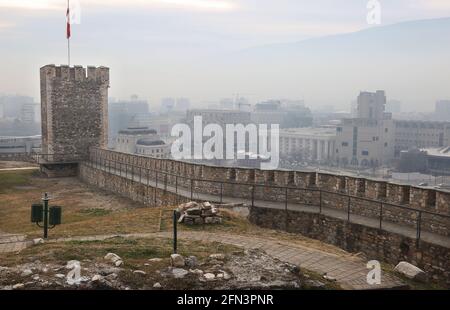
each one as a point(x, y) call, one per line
point(315, 284)
point(329, 278)
point(217, 256)
point(38, 241)
point(114, 258)
point(18, 286)
point(191, 261)
point(97, 278)
point(179, 273)
point(155, 260)
point(140, 272)
point(157, 285)
point(411, 271)
point(209, 276)
point(111, 276)
point(60, 276)
point(176, 260)
point(26, 273)
point(196, 271)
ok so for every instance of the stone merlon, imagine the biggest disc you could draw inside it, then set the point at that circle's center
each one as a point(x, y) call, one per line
point(76, 73)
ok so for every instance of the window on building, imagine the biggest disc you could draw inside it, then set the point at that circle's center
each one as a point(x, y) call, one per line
point(345, 144)
point(365, 153)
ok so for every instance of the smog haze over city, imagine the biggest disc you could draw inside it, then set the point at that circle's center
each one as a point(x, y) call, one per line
point(232, 152)
point(323, 52)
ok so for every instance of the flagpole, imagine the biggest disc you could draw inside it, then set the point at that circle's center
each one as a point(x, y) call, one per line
point(68, 50)
point(68, 37)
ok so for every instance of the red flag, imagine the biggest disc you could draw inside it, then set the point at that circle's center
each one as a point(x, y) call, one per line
point(68, 22)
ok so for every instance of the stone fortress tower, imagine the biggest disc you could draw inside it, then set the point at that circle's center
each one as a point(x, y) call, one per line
point(74, 111)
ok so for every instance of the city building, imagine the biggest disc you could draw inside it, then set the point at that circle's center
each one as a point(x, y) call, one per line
point(410, 134)
point(142, 141)
point(368, 139)
point(308, 144)
point(442, 111)
point(220, 117)
point(121, 114)
point(288, 114)
point(438, 160)
point(28, 113)
point(20, 144)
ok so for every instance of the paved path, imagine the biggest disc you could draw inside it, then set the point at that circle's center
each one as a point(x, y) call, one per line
point(19, 169)
point(349, 271)
point(404, 230)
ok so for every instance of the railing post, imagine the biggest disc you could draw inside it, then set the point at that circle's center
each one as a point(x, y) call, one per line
point(381, 216)
point(221, 192)
point(156, 179)
point(286, 209)
point(253, 195)
point(348, 209)
point(140, 174)
point(176, 184)
point(192, 189)
point(175, 222)
point(320, 202)
point(286, 199)
point(419, 228)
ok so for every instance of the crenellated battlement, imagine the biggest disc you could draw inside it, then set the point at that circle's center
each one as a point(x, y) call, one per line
point(76, 73)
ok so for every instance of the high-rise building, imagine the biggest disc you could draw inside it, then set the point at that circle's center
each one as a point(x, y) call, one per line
point(442, 110)
point(27, 114)
point(371, 105)
point(368, 139)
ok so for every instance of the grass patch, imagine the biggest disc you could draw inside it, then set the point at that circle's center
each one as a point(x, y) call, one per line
point(11, 179)
point(134, 252)
point(95, 212)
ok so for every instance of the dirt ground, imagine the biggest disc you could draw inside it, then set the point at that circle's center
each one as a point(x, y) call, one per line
point(89, 211)
point(15, 164)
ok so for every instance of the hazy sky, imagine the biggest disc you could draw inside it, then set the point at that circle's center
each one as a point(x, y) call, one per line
point(158, 48)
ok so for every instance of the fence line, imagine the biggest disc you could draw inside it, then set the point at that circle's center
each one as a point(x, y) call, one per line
point(163, 176)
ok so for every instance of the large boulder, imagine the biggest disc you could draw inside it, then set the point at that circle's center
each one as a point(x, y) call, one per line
point(176, 260)
point(410, 271)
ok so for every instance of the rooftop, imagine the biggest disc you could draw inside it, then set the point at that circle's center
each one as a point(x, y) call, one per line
point(438, 152)
point(320, 131)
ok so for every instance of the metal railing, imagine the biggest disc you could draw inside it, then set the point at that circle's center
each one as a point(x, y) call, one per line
point(158, 176)
point(40, 158)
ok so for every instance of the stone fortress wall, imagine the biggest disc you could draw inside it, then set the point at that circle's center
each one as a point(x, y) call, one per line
point(74, 110)
point(366, 199)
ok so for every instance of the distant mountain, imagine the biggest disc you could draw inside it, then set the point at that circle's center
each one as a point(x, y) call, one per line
point(409, 60)
point(417, 37)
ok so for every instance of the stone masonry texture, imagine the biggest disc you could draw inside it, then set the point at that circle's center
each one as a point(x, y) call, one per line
point(74, 109)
